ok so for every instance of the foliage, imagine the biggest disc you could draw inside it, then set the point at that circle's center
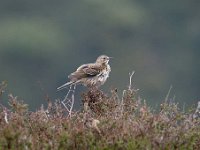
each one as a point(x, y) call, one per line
point(106, 122)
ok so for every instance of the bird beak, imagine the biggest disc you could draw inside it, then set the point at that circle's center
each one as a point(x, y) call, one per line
point(110, 57)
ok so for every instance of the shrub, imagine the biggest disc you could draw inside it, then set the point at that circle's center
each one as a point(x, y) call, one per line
point(105, 122)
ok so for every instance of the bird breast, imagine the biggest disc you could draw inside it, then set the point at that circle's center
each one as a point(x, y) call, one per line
point(102, 77)
point(98, 80)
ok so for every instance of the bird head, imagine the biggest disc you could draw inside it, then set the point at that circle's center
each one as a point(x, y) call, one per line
point(103, 59)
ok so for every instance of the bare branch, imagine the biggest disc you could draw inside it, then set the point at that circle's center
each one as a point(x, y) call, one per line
point(72, 104)
point(5, 116)
point(130, 79)
point(168, 93)
point(68, 101)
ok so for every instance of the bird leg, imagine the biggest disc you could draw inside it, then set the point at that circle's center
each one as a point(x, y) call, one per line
point(68, 102)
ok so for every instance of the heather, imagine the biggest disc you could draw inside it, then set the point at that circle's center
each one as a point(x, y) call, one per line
point(106, 120)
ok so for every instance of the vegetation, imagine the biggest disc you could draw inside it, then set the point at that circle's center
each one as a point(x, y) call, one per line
point(106, 122)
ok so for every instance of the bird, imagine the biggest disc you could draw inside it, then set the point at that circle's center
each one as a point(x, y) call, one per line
point(91, 75)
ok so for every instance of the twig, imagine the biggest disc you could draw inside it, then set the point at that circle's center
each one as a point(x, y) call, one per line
point(68, 103)
point(130, 82)
point(45, 112)
point(197, 112)
point(5, 111)
point(71, 107)
point(130, 79)
point(122, 102)
point(168, 93)
point(5, 116)
point(129, 88)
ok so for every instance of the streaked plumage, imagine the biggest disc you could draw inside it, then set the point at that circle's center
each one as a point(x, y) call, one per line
point(90, 75)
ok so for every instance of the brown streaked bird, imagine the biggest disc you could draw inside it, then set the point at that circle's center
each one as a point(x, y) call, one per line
point(90, 75)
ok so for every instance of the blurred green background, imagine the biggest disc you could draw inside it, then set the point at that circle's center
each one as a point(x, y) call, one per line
point(42, 41)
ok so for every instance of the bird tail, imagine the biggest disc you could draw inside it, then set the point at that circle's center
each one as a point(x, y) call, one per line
point(64, 85)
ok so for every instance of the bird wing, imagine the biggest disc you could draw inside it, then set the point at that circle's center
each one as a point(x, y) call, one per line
point(86, 70)
point(91, 70)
